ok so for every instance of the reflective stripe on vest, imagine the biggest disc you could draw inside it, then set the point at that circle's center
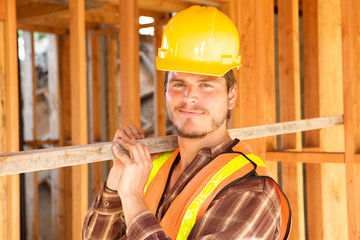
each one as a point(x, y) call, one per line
point(190, 216)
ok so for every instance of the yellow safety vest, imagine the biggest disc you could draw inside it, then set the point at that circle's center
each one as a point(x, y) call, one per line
point(194, 200)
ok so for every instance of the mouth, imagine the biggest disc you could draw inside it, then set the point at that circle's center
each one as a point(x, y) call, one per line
point(191, 113)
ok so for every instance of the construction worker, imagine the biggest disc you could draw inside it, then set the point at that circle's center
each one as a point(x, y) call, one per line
point(211, 187)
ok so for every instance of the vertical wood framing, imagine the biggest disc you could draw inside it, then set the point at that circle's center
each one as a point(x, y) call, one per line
point(289, 78)
point(311, 109)
point(60, 192)
point(129, 63)
point(78, 112)
point(351, 81)
point(333, 183)
point(159, 100)
point(112, 84)
point(265, 76)
point(95, 73)
point(9, 120)
point(256, 77)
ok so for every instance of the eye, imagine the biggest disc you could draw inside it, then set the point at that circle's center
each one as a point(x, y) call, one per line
point(178, 85)
point(205, 85)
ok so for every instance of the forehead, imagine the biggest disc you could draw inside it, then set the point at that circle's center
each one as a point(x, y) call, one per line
point(193, 77)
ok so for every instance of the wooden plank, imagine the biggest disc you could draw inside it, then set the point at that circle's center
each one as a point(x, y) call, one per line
point(78, 112)
point(333, 179)
point(289, 83)
point(68, 156)
point(265, 76)
point(314, 208)
point(44, 29)
point(32, 205)
point(112, 84)
point(96, 109)
point(129, 58)
point(159, 95)
point(305, 157)
point(33, 10)
point(10, 189)
point(58, 189)
point(158, 5)
point(351, 83)
point(2, 10)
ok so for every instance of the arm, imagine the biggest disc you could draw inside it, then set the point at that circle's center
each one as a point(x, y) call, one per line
point(105, 218)
point(247, 210)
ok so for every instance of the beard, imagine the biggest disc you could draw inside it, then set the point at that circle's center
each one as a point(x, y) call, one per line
point(193, 132)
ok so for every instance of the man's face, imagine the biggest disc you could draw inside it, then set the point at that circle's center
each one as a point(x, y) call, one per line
point(198, 104)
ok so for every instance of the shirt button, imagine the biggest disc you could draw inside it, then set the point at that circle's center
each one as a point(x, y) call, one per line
point(106, 203)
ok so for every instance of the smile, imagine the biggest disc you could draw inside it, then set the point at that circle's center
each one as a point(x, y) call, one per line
point(190, 113)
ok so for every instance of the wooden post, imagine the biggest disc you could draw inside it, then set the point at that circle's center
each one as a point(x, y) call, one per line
point(78, 112)
point(333, 181)
point(311, 109)
point(61, 198)
point(289, 82)
point(351, 80)
point(9, 120)
point(159, 94)
point(129, 62)
point(112, 84)
point(256, 95)
point(96, 109)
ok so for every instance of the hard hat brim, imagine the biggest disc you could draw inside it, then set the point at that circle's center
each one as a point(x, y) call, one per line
point(198, 67)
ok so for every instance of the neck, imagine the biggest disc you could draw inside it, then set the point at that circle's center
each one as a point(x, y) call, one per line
point(189, 147)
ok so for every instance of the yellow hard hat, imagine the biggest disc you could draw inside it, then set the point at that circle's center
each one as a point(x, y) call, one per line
point(199, 40)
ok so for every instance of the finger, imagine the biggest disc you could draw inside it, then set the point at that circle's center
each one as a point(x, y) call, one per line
point(120, 133)
point(139, 152)
point(138, 132)
point(129, 132)
point(125, 159)
point(134, 148)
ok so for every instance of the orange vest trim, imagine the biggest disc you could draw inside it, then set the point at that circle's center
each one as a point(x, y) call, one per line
point(195, 198)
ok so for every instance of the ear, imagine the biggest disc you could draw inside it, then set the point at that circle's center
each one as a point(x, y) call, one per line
point(232, 96)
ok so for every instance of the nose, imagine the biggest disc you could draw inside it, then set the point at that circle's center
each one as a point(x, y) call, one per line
point(191, 95)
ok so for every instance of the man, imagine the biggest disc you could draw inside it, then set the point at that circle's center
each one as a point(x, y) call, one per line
point(211, 187)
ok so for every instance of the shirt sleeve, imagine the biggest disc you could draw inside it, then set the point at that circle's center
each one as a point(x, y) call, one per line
point(249, 209)
point(105, 218)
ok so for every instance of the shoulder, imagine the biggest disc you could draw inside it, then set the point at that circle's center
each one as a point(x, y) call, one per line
point(254, 191)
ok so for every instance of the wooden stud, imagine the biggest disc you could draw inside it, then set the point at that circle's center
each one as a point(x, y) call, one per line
point(78, 112)
point(2, 10)
point(112, 85)
point(265, 76)
point(129, 63)
point(9, 120)
point(96, 109)
point(333, 180)
point(61, 193)
point(351, 82)
point(159, 99)
point(289, 82)
point(256, 30)
point(314, 208)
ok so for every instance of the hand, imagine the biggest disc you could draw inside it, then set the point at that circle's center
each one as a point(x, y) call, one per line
point(130, 132)
point(133, 171)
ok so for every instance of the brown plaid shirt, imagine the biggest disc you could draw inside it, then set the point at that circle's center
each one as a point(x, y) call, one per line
point(248, 209)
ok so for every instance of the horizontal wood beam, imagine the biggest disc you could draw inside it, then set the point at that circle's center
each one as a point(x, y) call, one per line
point(35, 160)
point(308, 157)
point(44, 29)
